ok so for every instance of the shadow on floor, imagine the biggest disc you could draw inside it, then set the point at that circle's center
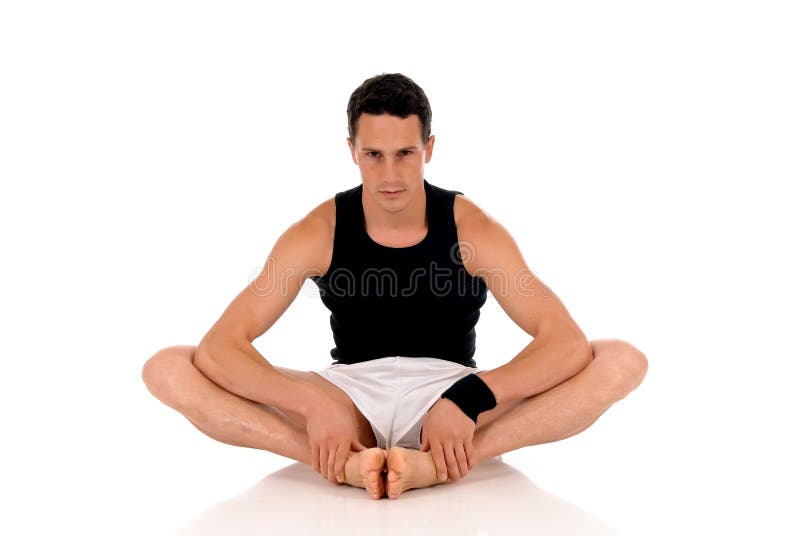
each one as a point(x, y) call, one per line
point(494, 498)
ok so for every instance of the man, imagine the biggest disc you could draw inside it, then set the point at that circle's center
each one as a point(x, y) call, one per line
point(403, 356)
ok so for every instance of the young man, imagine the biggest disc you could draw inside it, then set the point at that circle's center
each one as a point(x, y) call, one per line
point(404, 405)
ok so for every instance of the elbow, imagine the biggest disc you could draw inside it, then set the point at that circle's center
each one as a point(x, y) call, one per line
point(216, 358)
point(205, 361)
point(582, 352)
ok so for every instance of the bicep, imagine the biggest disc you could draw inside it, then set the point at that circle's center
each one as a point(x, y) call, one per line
point(525, 298)
point(293, 259)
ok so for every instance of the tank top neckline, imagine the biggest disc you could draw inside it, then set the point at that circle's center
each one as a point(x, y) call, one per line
point(419, 244)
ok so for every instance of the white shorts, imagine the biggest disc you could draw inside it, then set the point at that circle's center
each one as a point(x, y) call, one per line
point(394, 393)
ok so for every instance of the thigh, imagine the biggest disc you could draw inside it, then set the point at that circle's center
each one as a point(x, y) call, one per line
point(599, 347)
point(366, 435)
point(314, 378)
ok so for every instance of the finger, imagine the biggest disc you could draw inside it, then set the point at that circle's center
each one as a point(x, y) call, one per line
point(439, 461)
point(425, 446)
point(470, 450)
point(341, 460)
point(315, 457)
point(357, 446)
point(452, 463)
point(323, 461)
point(332, 453)
point(461, 458)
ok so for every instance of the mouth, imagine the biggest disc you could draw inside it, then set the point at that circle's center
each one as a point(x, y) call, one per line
point(391, 193)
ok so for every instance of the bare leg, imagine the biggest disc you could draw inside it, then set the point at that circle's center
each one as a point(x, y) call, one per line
point(565, 410)
point(171, 376)
point(568, 408)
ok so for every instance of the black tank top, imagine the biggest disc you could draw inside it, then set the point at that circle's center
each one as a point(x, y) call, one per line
point(416, 301)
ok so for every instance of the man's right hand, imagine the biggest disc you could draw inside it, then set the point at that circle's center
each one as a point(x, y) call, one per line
point(332, 429)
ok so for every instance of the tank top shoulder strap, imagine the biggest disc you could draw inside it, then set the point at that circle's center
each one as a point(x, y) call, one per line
point(343, 227)
point(445, 199)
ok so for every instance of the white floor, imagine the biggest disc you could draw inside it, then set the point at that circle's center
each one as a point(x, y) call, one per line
point(645, 467)
point(642, 468)
point(495, 499)
point(642, 154)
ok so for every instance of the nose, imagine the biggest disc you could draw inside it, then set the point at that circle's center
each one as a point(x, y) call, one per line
point(392, 171)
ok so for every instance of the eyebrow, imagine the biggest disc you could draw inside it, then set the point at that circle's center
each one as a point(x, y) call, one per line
point(370, 149)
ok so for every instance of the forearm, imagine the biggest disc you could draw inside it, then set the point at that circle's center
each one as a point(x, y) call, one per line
point(242, 370)
point(544, 363)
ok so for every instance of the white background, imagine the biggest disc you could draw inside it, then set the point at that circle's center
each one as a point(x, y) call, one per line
point(642, 154)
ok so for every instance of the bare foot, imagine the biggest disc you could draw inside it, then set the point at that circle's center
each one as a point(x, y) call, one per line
point(365, 470)
point(407, 469)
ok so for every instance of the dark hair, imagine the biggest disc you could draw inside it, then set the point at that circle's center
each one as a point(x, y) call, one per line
point(395, 94)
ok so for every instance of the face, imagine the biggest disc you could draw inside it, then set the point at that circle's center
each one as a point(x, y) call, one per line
point(391, 156)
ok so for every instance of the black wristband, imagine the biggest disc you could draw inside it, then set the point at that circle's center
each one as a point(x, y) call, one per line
point(471, 395)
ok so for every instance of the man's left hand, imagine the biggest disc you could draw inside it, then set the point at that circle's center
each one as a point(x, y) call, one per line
point(447, 433)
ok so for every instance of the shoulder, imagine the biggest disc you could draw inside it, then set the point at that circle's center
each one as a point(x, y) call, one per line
point(485, 244)
point(323, 216)
point(466, 212)
point(305, 247)
point(472, 223)
point(316, 230)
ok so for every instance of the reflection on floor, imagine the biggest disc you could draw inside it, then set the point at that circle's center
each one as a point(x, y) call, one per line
point(494, 498)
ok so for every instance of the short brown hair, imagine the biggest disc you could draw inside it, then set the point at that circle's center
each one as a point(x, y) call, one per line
point(393, 94)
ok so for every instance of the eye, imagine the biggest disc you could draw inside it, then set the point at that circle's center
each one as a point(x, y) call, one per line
point(406, 152)
point(371, 153)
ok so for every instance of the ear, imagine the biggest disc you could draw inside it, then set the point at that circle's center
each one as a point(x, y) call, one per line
point(429, 148)
point(352, 151)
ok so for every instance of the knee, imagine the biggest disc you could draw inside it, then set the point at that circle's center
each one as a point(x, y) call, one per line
point(625, 364)
point(632, 367)
point(162, 371)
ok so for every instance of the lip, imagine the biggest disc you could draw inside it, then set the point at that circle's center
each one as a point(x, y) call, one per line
point(392, 193)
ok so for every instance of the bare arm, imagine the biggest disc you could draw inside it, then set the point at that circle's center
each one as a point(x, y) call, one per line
point(544, 363)
point(239, 368)
point(226, 354)
point(559, 349)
